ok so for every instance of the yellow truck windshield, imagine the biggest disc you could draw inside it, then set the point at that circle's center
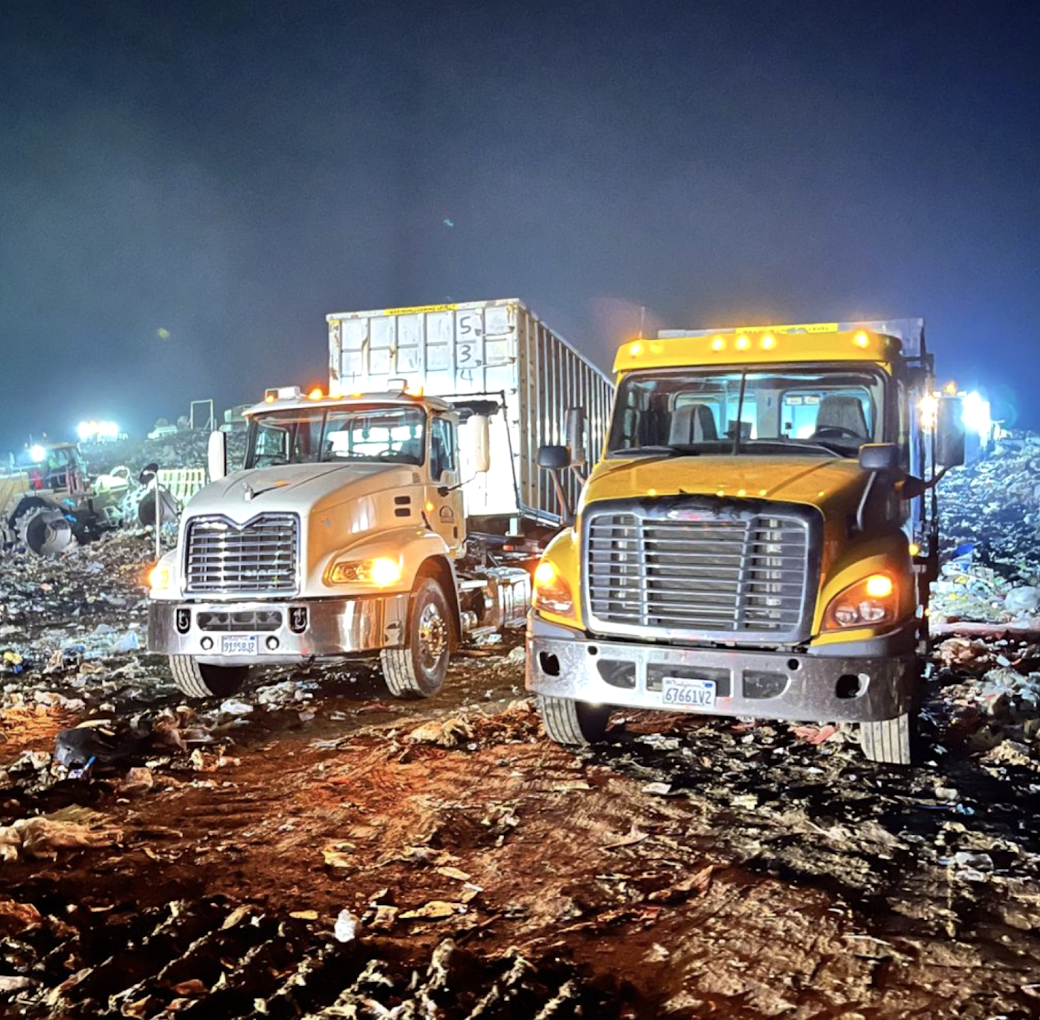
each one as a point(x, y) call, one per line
point(822, 411)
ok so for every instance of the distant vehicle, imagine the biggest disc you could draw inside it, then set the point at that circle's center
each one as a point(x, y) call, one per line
point(393, 515)
point(49, 503)
point(758, 538)
point(235, 419)
point(163, 432)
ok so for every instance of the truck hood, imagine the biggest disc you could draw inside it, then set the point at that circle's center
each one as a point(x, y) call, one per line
point(818, 482)
point(296, 488)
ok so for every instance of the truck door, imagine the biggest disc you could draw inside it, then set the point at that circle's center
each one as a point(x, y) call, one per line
point(446, 514)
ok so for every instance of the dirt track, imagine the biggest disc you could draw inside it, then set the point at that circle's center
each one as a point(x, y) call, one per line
point(689, 868)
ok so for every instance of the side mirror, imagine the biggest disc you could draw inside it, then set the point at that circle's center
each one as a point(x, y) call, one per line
point(949, 432)
point(217, 456)
point(481, 439)
point(879, 457)
point(554, 458)
point(574, 430)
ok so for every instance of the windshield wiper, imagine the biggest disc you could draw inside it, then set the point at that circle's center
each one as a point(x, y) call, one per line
point(679, 449)
point(803, 444)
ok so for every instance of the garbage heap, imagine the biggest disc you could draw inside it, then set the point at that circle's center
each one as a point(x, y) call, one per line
point(186, 449)
point(990, 524)
point(985, 607)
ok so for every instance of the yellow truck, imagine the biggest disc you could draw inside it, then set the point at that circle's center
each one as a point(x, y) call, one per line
point(758, 537)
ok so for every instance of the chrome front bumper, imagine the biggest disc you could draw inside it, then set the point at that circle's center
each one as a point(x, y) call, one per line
point(828, 684)
point(286, 632)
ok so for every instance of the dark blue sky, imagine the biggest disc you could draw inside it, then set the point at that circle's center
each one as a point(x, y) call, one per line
point(230, 172)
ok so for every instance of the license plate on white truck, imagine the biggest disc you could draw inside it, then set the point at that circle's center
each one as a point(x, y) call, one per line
point(686, 693)
point(238, 644)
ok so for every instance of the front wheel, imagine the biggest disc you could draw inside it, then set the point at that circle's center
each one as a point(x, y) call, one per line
point(887, 741)
point(418, 670)
point(573, 722)
point(201, 680)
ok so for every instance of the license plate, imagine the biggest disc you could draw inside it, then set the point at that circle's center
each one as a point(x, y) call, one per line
point(238, 644)
point(687, 693)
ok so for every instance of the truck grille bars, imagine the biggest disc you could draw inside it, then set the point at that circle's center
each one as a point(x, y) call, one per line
point(258, 557)
point(698, 572)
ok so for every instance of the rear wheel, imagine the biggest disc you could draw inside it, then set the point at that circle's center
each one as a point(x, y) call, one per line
point(573, 722)
point(418, 670)
point(887, 741)
point(202, 680)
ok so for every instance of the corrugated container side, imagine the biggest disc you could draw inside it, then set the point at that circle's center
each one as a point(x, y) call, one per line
point(482, 347)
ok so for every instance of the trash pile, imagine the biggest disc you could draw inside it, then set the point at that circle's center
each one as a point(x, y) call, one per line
point(185, 449)
point(990, 531)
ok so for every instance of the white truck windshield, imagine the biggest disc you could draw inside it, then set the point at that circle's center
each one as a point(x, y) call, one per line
point(387, 434)
point(812, 410)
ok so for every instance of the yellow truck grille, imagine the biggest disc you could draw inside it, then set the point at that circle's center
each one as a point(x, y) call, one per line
point(256, 558)
point(696, 573)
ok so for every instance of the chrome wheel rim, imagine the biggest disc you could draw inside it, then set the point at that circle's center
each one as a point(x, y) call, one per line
point(433, 637)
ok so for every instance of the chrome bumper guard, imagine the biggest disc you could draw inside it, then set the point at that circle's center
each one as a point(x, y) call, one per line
point(285, 632)
point(795, 686)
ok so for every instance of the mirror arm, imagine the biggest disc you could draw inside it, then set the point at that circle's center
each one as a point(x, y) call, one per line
point(861, 510)
point(936, 479)
point(566, 514)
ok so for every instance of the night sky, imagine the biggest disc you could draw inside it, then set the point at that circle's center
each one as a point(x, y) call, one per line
point(227, 173)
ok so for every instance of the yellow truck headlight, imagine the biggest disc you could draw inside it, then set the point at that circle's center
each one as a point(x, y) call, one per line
point(552, 593)
point(864, 604)
point(381, 572)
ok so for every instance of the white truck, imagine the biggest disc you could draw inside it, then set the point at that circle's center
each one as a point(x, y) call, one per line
point(397, 513)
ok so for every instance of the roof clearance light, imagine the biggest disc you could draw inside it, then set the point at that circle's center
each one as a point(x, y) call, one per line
point(315, 394)
point(768, 342)
point(718, 344)
point(861, 339)
point(413, 391)
point(636, 349)
point(270, 396)
point(743, 343)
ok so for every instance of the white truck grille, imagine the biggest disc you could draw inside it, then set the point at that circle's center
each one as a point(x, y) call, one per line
point(658, 576)
point(258, 557)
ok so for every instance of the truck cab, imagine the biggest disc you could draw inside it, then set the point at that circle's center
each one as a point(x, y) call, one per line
point(758, 537)
point(343, 534)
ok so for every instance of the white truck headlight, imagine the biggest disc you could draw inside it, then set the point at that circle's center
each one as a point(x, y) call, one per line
point(381, 572)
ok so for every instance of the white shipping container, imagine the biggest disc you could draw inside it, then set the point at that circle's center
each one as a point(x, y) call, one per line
point(499, 348)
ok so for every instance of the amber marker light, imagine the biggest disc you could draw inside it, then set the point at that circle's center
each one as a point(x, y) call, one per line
point(915, 549)
point(635, 349)
point(880, 586)
point(862, 339)
point(743, 343)
point(768, 342)
point(315, 394)
point(718, 344)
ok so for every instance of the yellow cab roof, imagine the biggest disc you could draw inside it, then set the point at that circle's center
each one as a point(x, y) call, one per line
point(756, 345)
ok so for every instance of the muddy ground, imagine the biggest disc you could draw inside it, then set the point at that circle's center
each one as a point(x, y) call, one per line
point(313, 848)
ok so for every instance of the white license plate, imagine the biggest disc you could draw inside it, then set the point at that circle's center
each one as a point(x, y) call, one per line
point(687, 693)
point(238, 644)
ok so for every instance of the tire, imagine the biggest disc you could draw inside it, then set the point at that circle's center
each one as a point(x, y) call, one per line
point(418, 669)
point(888, 741)
point(200, 680)
point(573, 722)
point(44, 531)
